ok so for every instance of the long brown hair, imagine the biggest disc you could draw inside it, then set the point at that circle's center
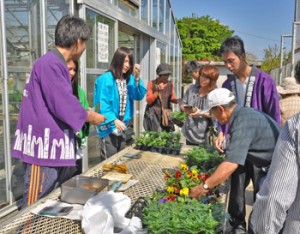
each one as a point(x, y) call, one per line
point(117, 63)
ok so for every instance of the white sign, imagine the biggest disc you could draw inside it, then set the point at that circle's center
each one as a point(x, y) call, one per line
point(102, 43)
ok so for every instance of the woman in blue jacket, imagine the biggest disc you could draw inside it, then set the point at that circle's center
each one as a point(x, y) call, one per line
point(115, 91)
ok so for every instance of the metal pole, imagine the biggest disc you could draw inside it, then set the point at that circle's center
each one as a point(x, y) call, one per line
point(83, 75)
point(281, 56)
point(294, 37)
point(281, 59)
point(43, 9)
point(7, 155)
point(293, 48)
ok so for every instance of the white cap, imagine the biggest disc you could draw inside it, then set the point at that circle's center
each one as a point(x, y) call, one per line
point(218, 97)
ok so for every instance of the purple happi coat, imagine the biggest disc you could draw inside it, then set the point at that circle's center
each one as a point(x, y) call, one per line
point(264, 95)
point(49, 115)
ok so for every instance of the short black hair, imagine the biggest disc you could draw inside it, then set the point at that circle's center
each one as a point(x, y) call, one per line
point(69, 29)
point(192, 66)
point(234, 44)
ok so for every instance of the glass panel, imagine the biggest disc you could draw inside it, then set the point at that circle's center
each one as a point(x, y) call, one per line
point(17, 33)
point(55, 10)
point(144, 11)
point(297, 34)
point(93, 140)
point(126, 40)
point(23, 39)
point(167, 17)
point(15, 84)
point(172, 55)
point(161, 51)
point(154, 14)
point(297, 13)
point(34, 31)
point(176, 77)
point(129, 8)
point(3, 198)
point(100, 47)
point(161, 15)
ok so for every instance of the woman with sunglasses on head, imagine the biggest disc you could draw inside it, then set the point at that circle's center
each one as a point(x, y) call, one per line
point(196, 127)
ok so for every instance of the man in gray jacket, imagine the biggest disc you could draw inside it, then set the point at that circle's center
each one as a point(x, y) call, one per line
point(253, 136)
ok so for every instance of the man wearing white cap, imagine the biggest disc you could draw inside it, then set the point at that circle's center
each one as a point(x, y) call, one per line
point(253, 137)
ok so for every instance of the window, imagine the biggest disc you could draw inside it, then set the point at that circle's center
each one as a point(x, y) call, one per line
point(161, 15)
point(100, 48)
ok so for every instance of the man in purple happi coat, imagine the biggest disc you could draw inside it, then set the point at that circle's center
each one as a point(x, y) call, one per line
point(252, 88)
point(51, 115)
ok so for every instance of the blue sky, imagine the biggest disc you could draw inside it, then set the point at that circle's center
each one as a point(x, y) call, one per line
point(260, 23)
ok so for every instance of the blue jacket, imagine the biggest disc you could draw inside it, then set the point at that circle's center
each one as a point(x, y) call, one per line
point(106, 92)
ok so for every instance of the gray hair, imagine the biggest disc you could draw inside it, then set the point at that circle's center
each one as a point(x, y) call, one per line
point(69, 29)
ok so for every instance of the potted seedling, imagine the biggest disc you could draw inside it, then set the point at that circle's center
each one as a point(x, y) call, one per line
point(153, 139)
point(161, 143)
point(179, 118)
point(138, 142)
point(176, 148)
point(168, 137)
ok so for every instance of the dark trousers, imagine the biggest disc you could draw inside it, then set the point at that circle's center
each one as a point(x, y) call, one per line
point(111, 145)
point(39, 181)
point(239, 181)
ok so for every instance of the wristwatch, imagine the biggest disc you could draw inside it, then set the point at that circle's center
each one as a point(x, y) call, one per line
point(205, 186)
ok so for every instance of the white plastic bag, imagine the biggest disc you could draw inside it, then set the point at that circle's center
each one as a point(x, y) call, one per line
point(105, 211)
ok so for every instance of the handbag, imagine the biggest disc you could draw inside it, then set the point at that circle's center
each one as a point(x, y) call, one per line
point(167, 119)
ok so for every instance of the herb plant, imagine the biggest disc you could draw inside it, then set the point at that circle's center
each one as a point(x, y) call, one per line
point(185, 217)
point(204, 159)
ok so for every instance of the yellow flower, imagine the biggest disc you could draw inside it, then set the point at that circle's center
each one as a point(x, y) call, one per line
point(184, 167)
point(170, 189)
point(184, 192)
point(195, 172)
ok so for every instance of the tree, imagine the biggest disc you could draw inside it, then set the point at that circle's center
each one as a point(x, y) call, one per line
point(271, 59)
point(251, 57)
point(202, 37)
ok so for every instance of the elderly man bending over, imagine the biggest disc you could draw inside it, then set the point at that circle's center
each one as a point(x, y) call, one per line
point(253, 136)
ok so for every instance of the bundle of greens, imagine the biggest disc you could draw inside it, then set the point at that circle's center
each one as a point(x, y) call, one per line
point(205, 160)
point(179, 118)
point(185, 217)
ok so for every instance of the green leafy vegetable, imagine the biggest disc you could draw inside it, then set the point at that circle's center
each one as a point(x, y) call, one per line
point(204, 159)
point(185, 217)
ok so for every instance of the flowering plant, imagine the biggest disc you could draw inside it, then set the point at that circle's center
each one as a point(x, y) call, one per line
point(179, 183)
point(179, 213)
